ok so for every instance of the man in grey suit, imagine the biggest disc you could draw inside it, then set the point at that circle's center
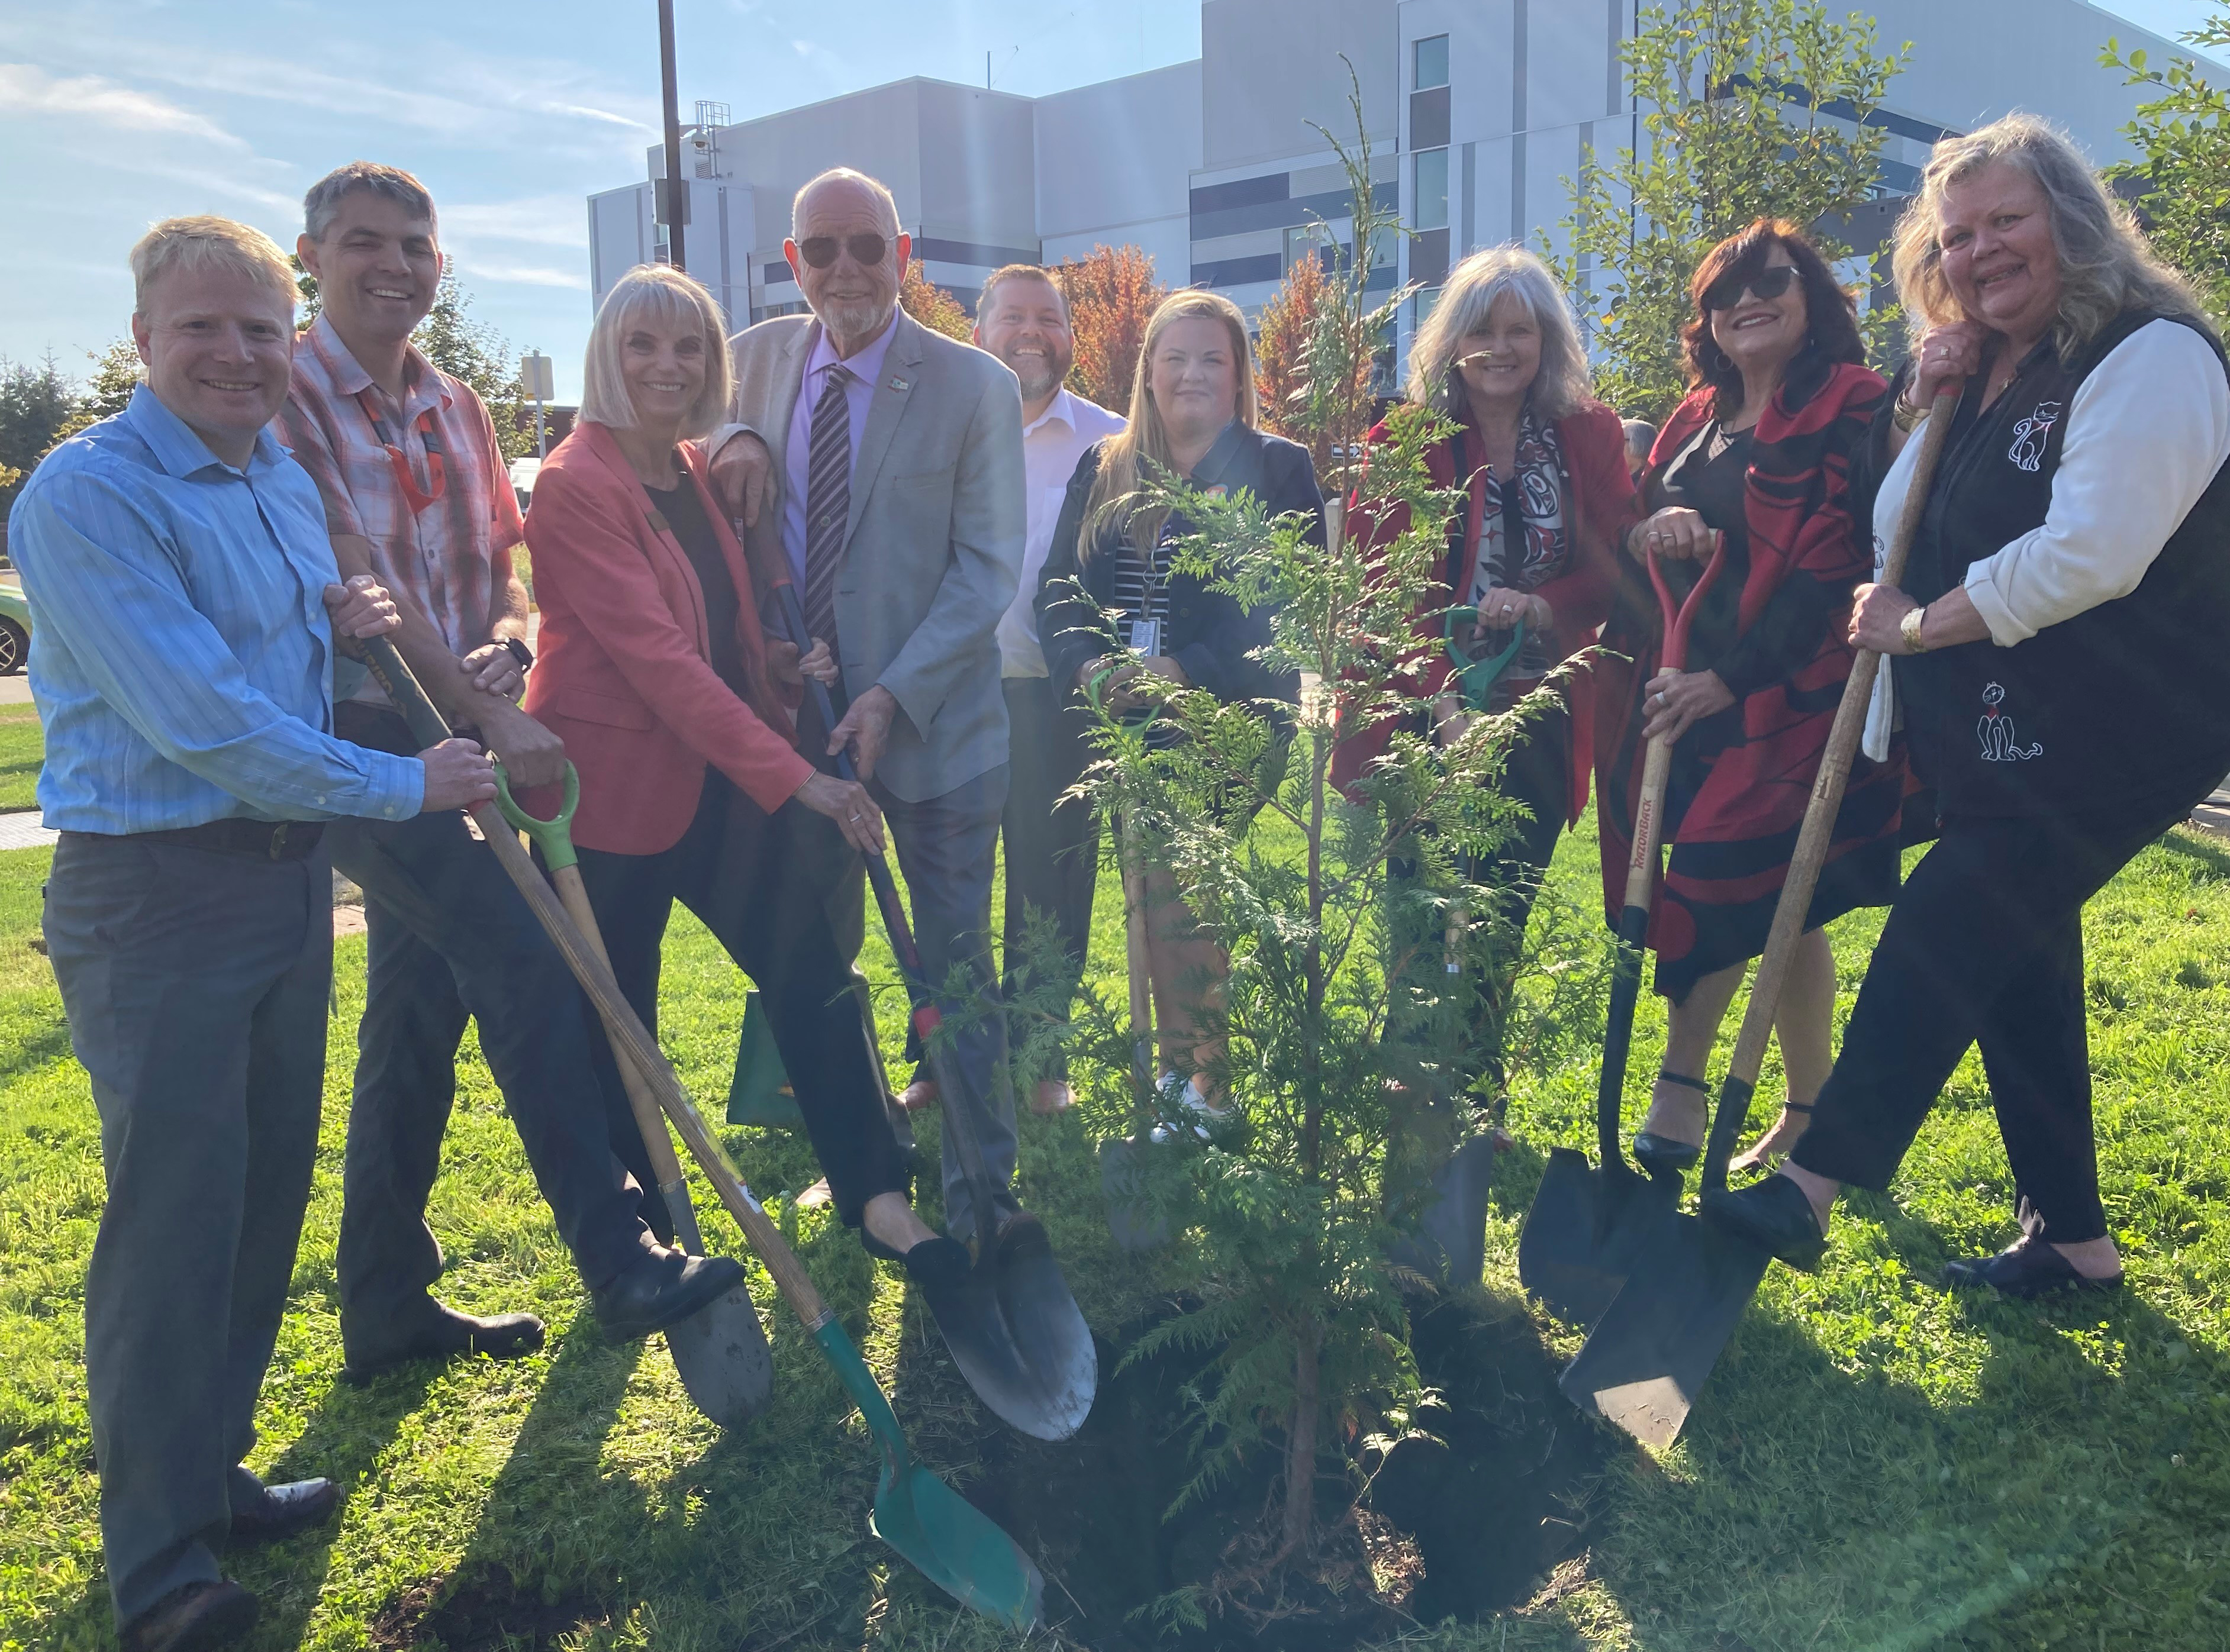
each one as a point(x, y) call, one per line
point(883, 463)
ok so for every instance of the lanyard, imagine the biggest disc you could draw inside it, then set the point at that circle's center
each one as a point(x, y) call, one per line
point(436, 470)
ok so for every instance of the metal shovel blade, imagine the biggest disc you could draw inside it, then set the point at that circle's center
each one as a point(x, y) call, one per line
point(1132, 1220)
point(1448, 1245)
point(947, 1539)
point(720, 1354)
point(1656, 1345)
point(1587, 1229)
point(1017, 1335)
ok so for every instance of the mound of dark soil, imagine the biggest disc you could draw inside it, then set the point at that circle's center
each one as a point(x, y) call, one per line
point(1488, 1505)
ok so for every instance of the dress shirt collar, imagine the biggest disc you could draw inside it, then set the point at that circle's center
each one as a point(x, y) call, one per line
point(866, 365)
point(177, 449)
point(1061, 407)
point(348, 377)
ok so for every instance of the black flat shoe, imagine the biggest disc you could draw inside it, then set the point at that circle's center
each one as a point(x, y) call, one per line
point(664, 1288)
point(436, 1333)
point(198, 1617)
point(2029, 1267)
point(935, 1264)
point(1665, 1155)
point(273, 1514)
point(1775, 1216)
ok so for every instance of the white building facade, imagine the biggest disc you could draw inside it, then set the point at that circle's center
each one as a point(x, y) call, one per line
point(1478, 112)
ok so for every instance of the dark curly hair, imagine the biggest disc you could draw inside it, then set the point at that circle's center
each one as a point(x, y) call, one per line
point(1830, 313)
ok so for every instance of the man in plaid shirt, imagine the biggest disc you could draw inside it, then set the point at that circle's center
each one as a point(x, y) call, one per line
point(415, 490)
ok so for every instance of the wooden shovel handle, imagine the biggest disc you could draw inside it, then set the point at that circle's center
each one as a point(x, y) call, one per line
point(632, 1043)
point(1819, 815)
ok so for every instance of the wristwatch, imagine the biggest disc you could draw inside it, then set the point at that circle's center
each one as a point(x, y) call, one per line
point(1909, 628)
point(520, 652)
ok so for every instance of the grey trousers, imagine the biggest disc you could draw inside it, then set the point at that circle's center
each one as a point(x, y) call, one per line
point(947, 847)
point(1052, 846)
point(195, 983)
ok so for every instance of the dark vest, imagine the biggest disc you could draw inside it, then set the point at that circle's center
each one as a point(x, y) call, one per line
point(2126, 704)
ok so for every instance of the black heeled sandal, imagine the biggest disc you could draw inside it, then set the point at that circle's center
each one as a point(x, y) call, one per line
point(1746, 1161)
point(1662, 1155)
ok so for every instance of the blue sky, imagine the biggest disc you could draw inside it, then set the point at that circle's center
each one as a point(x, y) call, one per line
point(116, 112)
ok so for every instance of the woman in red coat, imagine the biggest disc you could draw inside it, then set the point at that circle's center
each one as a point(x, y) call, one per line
point(654, 671)
point(1759, 453)
point(1544, 466)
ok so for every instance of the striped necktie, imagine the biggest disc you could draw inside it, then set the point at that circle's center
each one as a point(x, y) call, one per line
point(827, 502)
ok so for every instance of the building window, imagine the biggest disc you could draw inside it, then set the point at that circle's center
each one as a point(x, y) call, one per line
point(1430, 199)
point(1430, 57)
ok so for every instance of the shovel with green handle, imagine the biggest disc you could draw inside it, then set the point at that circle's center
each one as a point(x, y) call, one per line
point(950, 1542)
point(720, 1354)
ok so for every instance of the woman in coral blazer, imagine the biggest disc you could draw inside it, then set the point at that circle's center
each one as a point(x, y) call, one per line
point(654, 671)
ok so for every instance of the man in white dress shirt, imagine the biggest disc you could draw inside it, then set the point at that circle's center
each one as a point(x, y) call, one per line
point(1022, 319)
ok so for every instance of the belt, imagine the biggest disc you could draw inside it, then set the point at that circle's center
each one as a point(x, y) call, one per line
point(260, 839)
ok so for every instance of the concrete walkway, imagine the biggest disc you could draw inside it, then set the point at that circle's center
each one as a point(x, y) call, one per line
point(23, 831)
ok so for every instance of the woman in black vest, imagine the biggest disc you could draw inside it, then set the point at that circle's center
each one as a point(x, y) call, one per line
point(1111, 609)
point(2059, 670)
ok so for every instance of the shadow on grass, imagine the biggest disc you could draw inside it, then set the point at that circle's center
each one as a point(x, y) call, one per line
point(1821, 1494)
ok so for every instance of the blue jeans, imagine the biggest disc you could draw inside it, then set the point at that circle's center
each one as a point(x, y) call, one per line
point(450, 937)
point(195, 984)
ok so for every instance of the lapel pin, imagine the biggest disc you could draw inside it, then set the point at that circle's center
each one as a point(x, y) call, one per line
point(901, 384)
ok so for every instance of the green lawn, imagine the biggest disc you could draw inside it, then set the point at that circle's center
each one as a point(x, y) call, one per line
point(22, 748)
point(1877, 1464)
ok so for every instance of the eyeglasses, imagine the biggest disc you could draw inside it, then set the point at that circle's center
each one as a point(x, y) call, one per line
point(1767, 285)
point(820, 251)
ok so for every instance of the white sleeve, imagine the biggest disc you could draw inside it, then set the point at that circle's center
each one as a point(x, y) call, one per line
point(2147, 431)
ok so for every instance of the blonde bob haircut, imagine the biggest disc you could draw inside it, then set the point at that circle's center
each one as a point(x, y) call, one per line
point(2105, 264)
point(662, 296)
point(1473, 288)
point(202, 243)
point(1129, 458)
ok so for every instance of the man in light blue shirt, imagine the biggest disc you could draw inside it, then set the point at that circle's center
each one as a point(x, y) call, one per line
point(188, 606)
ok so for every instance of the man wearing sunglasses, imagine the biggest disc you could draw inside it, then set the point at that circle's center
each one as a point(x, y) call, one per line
point(416, 491)
point(881, 464)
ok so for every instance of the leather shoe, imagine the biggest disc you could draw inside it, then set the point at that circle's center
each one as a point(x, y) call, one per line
point(664, 1288)
point(437, 1333)
point(2028, 1267)
point(273, 1514)
point(935, 1263)
point(199, 1617)
point(1775, 1216)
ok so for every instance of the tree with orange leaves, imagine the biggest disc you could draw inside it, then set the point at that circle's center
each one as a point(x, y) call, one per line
point(1112, 295)
point(1282, 376)
point(932, 306)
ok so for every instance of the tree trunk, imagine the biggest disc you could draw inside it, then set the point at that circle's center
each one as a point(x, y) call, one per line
point(1301, 1446)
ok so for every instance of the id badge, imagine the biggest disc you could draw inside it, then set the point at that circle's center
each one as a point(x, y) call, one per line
point(1146, 638)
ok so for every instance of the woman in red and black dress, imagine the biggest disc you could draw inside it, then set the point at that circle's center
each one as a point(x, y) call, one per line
point(1759, 453)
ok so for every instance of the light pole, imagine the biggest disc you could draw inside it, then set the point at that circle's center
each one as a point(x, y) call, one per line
point(672, 195)
point(537, 378)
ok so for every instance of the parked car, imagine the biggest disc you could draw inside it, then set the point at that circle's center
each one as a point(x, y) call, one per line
point(14, 628)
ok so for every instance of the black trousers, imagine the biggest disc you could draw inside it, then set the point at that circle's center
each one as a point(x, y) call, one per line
point(1052, 846)
point(761, 884)
point(1985, 947)
point(1539, 776)
point(195, 984)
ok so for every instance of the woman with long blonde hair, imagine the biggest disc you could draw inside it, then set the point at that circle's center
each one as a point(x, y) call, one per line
point(1111, 609)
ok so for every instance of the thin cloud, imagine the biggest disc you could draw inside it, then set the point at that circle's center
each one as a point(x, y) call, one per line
point(539, 220)
point(523, 274)
point(26, 89)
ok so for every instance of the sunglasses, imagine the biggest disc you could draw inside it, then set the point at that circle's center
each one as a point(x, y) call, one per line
point(820, 251)
point(1767, 285)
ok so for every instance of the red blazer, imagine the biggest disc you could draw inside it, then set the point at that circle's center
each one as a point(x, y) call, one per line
point(623, 674)
point(1600, 494)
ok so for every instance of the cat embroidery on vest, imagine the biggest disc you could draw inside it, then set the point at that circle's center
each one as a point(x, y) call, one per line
point(1999, 743)
point(2027, 451)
